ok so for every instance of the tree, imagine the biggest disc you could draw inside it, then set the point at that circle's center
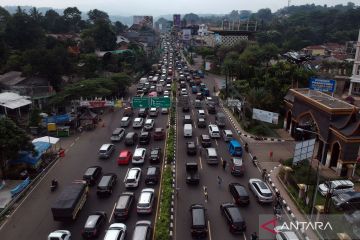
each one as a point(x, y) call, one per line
point(88, 45)
point(72, 17)
point(98, 16)
point(123, 82)
point(12, 140)
point(191, 18)
point(119, 27)
point(36, 15)
point(103, 35)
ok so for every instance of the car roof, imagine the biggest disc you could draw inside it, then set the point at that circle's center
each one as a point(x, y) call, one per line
point(139, 151)
point(159, 129)
point(124, 153)
point(137, 119)
point(237, 161)
point(198, 216)
point(145, 196)
point(151, 170)
point(91, 220)
point(235, 143)
point(337, 183)
point(205, 136)
point(124, 118)
point(235, 214)
point(211, 151)
point(149, 120)
point(105, 180)
point(122, 201)
point(91, 170)
point(105, 146)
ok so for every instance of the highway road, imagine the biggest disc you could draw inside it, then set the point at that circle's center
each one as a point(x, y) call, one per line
point(33, 218)
point(189, 194)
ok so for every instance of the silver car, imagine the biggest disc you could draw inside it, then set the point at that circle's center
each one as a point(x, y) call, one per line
point(261, 190)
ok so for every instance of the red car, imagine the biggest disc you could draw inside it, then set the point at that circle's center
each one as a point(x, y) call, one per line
point(124, 157)
point(159, 134)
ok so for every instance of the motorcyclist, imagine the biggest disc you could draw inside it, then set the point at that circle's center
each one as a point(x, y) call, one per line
point(54, 182)
point(254, 236)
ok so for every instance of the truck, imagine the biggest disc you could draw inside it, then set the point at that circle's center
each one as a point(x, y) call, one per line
point(70, 201)
point(192, 174)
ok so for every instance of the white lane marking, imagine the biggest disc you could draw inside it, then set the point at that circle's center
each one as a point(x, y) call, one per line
point(72, 144)
point(77, 139)
point(200, 163)
point(216, 142)
point(209, 229)
point(244, 236)
point(112, 213)
point(197, 140)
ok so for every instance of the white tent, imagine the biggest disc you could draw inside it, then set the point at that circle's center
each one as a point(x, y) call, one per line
point(48, 139)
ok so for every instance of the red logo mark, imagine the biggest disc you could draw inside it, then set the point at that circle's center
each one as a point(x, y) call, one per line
point(272, 224)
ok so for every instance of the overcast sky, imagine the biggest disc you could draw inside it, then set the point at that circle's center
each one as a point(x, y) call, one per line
point(159, 7)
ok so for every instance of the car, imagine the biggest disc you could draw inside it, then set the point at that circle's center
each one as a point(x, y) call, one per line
point(205, 140)
point(125, 121)
point(149, 124)
point(237, 166)
point(124, 205)
point(116, 231)
point(131, 138)
point(152, 175)
point(106, 184)
point(144, 138)
point(187, 119)
point(124, 157)
point(159, 134)
point(142, 230)
point(128, 112)
point(138, 123)
point(117, 135)
point(60, 235)
point(239, 193)
point(261, 190)
point(143, 111)
point(164, 111)
point(132, 177)
point(336, 187)
point(139, 156)
point(347, 201)
point(92, 174)
point(93, 225)
point(166, 93)
point(286, 235)
point(199, 96)
point(198, 104)
point(155, 155)
point(214, 131)
point(153, 112)
point(233, 217)
point(106, 150)
point(201, 113)
point(201, 123)
point(146, 201)
point(211, 109)
point(191, 148)
point(198, 221)
point(183, 91)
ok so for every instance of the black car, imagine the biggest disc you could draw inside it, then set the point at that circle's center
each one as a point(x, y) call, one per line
point(187, 119)
point(198, 221)
point(124, 206)
point(106, 184)
point(92, 174)
point(347, 201)
point(152, 175)
point(201, 123)
point(191, 148)
point(142, 112)
point(93, 225)
point(155, 155)
point(186, 108)
point(144, 138)
point(211, 109)
point(239, 193)
point(233, 217)
point(205, 140)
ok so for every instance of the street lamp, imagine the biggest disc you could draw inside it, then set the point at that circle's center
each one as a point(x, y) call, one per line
point(317, 169)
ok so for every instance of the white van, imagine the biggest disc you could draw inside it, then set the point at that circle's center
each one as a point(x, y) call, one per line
point(227, 135)
point(214, 131)
point(187, 130)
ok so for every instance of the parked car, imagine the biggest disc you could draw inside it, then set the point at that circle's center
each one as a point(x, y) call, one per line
point(117, 135)
point(92, 174)
point(336, 187)
point(239, 193)
point(146, 201)
point(124, 206)
point(159, 134)
point(106, 150)
point(237, 166)
point(144, 138)
point(124, 158)
point(132, 177)
point(233, 217)
point(198, 221)
point(138, 122)
point(347, 201)
point(149, 124)
point(106, 184)
point(191, 148)
point(93, 225)
point(152, 175)
point(116, 231)
point(261, 190)
point(139, 156)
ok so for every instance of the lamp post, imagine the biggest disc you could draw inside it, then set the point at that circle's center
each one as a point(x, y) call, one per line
point(317, 170)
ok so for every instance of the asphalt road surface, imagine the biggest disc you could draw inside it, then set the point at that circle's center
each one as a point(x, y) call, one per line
point(33, 218)
point(217, 194)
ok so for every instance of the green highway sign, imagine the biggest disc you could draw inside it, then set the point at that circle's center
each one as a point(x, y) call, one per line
point(159, 102)
point(140, 102)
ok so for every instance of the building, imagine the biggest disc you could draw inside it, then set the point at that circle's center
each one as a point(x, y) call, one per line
point(203, 30)
point(176, 20)
point(227, 38)
point(315, 50)
point(143, 21)
point(355, 78)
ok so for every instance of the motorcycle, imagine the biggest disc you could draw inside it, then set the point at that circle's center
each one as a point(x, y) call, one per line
point(254, 161)
point(54, 185)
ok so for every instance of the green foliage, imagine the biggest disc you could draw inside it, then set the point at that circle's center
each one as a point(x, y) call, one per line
point(35, 117)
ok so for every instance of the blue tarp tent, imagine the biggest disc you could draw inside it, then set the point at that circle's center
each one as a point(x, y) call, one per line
point(26, 157)
point(58, 119)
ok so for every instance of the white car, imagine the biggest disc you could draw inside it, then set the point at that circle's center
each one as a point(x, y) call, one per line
point(336, 187)
point(164, 111)
point(149, 124)
point(153, 112)
point(166, 93)
point(214, 131)
point(146, 201)
point(60, 235)
point(139, 156)
point(138, 122)
point(183, 91)
point(261, 190)
point(132, 178)
point(116, 231)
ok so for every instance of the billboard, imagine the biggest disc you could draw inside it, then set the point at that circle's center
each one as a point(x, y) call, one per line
point(186, 34)
point(322, 85)
point(265, 116)
point(177, 20)
point(303, 150)
point(143, 20)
